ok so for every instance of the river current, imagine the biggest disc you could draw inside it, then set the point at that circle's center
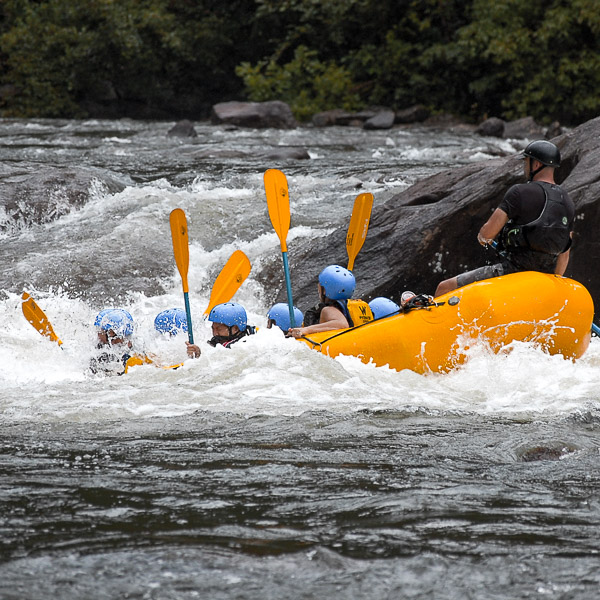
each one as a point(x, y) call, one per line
point(266, 470)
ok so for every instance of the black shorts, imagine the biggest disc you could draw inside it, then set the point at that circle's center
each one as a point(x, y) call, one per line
point(486, 272)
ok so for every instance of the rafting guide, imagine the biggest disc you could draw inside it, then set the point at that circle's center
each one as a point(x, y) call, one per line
point(534, 223)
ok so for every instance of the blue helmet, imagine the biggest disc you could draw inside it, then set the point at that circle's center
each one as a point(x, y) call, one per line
point(117, 319)
point(338, 283)
point(280, 313)
point(383, 307)
point(171, 321)
point(99, 316)
point(229, 314)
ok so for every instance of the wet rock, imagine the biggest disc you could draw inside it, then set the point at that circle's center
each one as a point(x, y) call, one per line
point(183, 128)
point(279, 153)
point(492, 127)
point(554, 130)
point(44, 195)
point(329, 118)
point(383, 119)
point(543, 453)
point(372, 117)
point(414, 114)
point(523, 128)
point(285, 153)
point(428, 231)
point(259, 115)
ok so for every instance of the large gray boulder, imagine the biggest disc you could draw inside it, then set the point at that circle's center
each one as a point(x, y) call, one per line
point(383, 119)
point(259, 115)
point(428, 232)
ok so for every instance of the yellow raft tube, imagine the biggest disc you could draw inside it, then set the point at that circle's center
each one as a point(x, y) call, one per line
point(549, 310)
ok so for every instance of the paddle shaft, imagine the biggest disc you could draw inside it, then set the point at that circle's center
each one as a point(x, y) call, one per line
point(288, 285)
point(278, 203)
point(188, 314)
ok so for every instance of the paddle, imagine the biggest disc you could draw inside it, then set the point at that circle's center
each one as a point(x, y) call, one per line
point(179, 233)
point(36, 316)
point(228, 281)
point(494, 245)
point(359, 223)
point(278, 203)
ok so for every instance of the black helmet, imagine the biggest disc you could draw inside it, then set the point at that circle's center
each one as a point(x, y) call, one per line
point(546, 152)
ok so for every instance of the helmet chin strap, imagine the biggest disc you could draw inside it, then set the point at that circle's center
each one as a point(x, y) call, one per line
point(532, 174)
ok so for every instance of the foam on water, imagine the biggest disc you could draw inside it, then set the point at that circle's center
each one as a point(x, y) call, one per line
point(115, 238)
point(267, 374)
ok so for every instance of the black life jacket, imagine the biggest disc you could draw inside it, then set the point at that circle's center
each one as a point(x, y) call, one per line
point(356, 312)
point(228, 340)
point(549, 234)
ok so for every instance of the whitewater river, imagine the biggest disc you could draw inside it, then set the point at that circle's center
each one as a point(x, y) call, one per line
point(265, 470)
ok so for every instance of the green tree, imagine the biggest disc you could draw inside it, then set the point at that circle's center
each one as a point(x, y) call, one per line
point(389, 52)
point(534, 58)
point(149, 55)
point(305, 83)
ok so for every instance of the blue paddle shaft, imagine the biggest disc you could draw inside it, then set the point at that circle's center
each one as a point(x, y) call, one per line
point(288, 285)
point(596, 329)
point(188, 314)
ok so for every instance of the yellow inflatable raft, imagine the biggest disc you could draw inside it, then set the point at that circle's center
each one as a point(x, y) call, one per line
point(549, 310)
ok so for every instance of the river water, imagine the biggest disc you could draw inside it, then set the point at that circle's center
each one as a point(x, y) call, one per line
point(265, 470)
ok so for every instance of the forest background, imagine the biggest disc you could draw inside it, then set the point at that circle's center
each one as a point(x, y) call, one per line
point(170, 59)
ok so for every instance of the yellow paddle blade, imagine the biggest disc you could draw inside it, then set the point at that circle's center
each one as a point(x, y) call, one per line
point(359, 223)
point(278, 202)
point(230, 278)
point(181, 250)
point(35, 315)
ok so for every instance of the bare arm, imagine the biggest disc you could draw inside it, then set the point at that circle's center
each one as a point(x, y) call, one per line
point(492, 227)
point(331, 318)
point(562, 262)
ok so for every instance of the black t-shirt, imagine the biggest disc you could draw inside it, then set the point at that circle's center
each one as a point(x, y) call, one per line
point(524, 202)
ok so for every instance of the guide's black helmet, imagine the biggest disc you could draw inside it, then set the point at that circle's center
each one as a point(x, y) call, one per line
point(546, 152)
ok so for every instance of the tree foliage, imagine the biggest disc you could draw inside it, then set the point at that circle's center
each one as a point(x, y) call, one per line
point(146, 54)
point(305, 83)
point(149, 58)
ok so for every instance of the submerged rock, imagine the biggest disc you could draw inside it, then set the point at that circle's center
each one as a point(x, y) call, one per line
point(44, 194)
point(183, 128)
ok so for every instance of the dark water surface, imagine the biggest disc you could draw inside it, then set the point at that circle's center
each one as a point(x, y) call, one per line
point(370, 505)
